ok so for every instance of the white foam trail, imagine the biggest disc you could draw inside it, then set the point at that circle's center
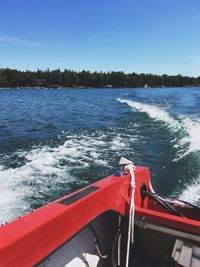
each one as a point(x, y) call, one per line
point(190, 143)
point(19, 183)
point(154, 112)
point(193, 139)
point(192, 193)
point(190, 126)
point(118, 143)
point(46, 167)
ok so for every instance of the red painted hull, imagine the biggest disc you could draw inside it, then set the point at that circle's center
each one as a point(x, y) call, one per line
point(28, 240)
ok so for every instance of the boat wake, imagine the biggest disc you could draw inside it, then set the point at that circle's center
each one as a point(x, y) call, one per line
point(31, 177)
point(192, 128)
point(191, 192)
point(186, 129)
point(154, 112)
point(185, 140)
point(45, 172)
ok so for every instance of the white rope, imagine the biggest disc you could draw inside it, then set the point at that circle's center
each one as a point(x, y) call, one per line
point(130, 240)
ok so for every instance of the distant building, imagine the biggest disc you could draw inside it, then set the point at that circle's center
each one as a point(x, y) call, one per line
point(41, 82)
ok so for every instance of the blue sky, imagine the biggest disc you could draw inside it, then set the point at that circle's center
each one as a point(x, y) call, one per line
point(149, 36)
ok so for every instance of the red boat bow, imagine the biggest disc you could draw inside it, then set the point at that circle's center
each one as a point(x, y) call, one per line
point(29, 239)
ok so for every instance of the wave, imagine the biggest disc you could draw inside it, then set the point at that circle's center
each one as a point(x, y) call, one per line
point(191, 193)
point(186, 142)
point(3, 126)
point(20, 183)
point(154, 112)
point(47, 168)
point(50, 125)
point(192, 127)
point(44, 168)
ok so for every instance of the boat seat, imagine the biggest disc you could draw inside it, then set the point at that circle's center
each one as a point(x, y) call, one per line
point(186, 254)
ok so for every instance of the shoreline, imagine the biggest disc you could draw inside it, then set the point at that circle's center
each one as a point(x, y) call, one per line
point(83, 87)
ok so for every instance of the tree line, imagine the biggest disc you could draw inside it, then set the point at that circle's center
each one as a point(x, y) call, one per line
point(69, 78)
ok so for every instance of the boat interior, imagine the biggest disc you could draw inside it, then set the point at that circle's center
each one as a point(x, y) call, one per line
point(102, 243)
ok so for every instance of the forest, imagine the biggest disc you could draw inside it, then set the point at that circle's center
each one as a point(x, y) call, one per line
point(12, 78)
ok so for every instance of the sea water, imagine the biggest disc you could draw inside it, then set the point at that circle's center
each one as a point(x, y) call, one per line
point(53, 142)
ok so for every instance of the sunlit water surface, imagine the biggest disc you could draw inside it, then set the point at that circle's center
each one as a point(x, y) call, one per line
point(53, 142)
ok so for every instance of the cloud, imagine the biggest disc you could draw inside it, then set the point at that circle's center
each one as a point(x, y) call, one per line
point(18, 41)
point(94, 36)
